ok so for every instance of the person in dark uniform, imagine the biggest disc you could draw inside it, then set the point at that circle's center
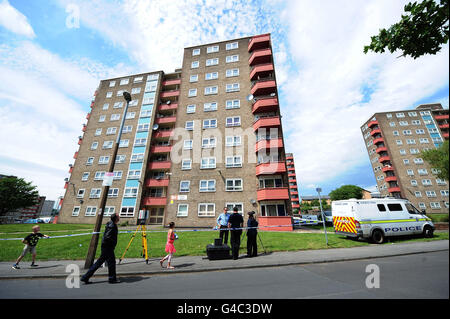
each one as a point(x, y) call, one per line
point(252, 232)
point(109, 242)
point(235, 221)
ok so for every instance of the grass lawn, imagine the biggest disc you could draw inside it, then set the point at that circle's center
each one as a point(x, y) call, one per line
point(189, 243)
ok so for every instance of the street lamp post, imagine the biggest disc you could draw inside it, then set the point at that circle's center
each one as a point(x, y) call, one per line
point(94, 240)
point(321, 210)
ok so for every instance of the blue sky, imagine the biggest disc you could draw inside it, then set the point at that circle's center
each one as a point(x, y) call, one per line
point(328, 86)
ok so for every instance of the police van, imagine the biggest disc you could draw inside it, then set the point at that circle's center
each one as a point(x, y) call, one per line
point(377, 219)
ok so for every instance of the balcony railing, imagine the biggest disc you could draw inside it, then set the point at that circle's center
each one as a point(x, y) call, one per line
point(155, 182)
point(165, 120)
point(264, 87)
point(271, 168)
point(154, 201)
point(261, 70)
point(156, 165)
point(259, 42)
point(161, 149)
point(170, 93)
point(272, 121)
point(262, 56)
point(265, 105)
point(279, 193)
point(268, 144)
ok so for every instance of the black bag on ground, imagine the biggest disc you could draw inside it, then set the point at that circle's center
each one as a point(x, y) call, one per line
point(217, 252)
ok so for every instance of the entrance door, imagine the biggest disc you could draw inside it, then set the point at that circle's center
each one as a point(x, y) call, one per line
point(156, 216)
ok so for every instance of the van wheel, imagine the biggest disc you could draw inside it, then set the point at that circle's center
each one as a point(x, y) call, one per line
point(428, 231)
point(377, 236)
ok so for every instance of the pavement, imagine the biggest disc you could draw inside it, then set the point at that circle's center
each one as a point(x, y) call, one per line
point(186, 264)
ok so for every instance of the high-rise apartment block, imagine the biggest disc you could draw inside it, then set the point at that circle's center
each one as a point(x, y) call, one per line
point(293, 188)
point(205, 137)
point(395, 142)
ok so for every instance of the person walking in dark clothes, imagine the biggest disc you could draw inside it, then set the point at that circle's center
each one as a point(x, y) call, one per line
point(252, 232)
point(109, 242)
point(235, 221)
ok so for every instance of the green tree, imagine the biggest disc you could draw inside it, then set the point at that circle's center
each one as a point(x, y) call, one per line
point(16, 193)
point(346, 192)
point(423, 30)
point(438, 158)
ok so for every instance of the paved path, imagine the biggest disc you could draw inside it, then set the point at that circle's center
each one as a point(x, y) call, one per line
point(57, 269)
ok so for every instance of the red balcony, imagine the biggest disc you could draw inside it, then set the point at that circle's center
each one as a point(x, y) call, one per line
point(265, 105)
point(391, 179)
point(264, 88)
point(295, 205)
point(92, 103)
point(291, 174)
point(395, 189)
point(171, 82)
point(384, 159)
point(444, 126)
point(267, 122)
point(376, 131)
point(154, 201)
point(441, 117)
point(261, 70)
point(70, 169)
point(271, 168)
point(66, 184)
point(372, 123)
point(167, 107)
point(79, 141)
point(153, 182)
point(387, 169)
point(75, 155)
point(381, 149)
point(268, 144)
point(294, 192)
point(166, 120)
point(378, 140)
point(163, 134)
point(262, 56)
point(281, 193)
point(170, 93)
point(88, 116)
point(445, 135)
point(161, 149)
point(159, 165)
point(259, 42)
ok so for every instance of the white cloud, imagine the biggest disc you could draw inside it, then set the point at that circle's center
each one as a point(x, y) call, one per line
point(14, 20)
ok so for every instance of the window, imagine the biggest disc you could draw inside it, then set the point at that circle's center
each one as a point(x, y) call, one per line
point(212, 49)
point(80, 193)
point(392, 124)
point(234, 185)
point(395, 207)
point(410, 172)
point(124, 143)
point(418, 161)
point(233, 121)
point(120, 159)
point(138, 79)
point(407, 132)
point(90, 211)
point(426, 182)
point(422, 171)
point(232, 45)
point(99, 176)
point(195, 64)
point(193, 78)
point(233, 140)
point(190, 109)
point(127, 129)
point(431, 193)
point(95, 193)
point(400, 115)
point(420, 132)
point(207, 185)
point(140, 142)
point(403, 123)
point(189, 126)
point(186, 164)
point(94, 145)
point(184, 186)
point(105, 106)
point(115, 117)
point(192, 92)
point(113, 192)
point(120, 93)
point(206, 209)
point(211, 90)
point(85, 176)
point(209, 142)
point(130, 192)
point(109, 94)
point(413, 182)
point(98, 132)
point(187, 145)
point(389, 115)
point(424, 141)
point(395, 133)
point(133, 103)
point(101, 118)
point(208, 162)
point(414, 151)
point(124, 81)
point(239, 206)
point(103, 160)
point(130, 115)
point(211, 106)
point(76, 211)
point(415, 122)
point(143, 127)
point(109, 210)
point(381, 207)
point(107, 144)
point(211, 62)
point(112, 84)
point(134, 174)
point(183, 210)
point(412, 114)
point(90, 161)
point(410, 141)
point(136, 158)
point(444, 193)
point(111, 130)
point(233, 87)
point(233, 161)
point(212, 76)
point(195, 52)
point(118, 105)
point(232, 58)
point(231, 72)
point(127, 211)
point(145, 113)
point(435, 205)
point(418, 194)
point(117, 175)
point(209, 123)
point(232, 104)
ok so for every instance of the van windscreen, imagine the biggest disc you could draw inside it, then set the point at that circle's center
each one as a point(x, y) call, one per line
point(395, 207)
